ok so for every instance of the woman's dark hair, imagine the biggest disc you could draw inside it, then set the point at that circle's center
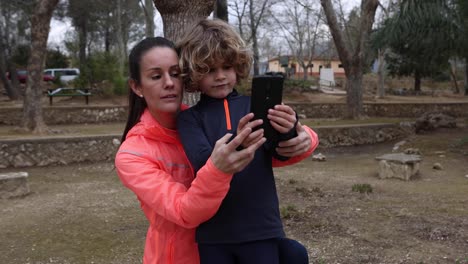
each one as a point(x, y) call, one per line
point(136, 104)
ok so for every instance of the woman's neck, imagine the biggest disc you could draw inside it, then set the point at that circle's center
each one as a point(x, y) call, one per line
point(167, 120)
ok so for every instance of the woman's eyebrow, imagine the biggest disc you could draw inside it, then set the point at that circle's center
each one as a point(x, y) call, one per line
point(159, 68)
point(153, 69)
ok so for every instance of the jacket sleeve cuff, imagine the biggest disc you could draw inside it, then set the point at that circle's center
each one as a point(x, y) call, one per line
point(291, 133)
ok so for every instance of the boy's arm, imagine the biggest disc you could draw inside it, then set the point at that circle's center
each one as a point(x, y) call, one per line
point(196, 145)
point(314, 141)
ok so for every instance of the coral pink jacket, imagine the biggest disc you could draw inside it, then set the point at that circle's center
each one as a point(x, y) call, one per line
point(152, 163)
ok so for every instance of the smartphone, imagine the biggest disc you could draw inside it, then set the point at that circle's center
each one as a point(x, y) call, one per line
point(267, 91)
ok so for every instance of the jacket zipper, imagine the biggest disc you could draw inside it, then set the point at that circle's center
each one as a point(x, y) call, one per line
point(228, 115)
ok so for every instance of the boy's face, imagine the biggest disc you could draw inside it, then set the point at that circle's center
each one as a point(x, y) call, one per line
point(219, 82)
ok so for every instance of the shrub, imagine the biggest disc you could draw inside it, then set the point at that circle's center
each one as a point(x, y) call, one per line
point(244, 86)
point(56, 59)
point(297, 84)
point(82, 81)
point(57, 83)
point(362, 188)
point(102, 66)
point(120, 85)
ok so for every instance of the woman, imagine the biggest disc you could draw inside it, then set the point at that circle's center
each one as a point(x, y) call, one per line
point(151, 161)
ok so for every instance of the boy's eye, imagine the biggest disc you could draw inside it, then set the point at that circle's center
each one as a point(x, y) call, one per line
point(156, 77)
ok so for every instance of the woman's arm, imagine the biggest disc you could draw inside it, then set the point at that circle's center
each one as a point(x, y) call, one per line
point(187, 207)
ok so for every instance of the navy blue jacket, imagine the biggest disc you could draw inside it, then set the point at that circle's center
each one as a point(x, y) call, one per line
point(250, 210)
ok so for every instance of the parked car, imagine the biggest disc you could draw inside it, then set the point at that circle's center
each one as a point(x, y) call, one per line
point(22, 76)
point(66, 74)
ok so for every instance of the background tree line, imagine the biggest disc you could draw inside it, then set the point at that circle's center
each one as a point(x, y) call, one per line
point(419, 38)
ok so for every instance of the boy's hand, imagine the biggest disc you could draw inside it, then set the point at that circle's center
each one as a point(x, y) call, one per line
point(246, 122)
point(282, 118)
point(295, 146)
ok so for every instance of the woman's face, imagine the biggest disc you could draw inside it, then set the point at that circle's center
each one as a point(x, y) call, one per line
point(160, 83)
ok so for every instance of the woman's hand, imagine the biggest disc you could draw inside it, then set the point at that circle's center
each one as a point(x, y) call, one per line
point(246, 122)
point(226, 158)
point(297, 145)
point(282, 118)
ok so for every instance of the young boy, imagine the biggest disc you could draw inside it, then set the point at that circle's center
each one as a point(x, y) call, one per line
point(247, 227)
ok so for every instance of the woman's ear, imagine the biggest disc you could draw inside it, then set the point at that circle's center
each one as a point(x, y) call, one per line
point(135, 87)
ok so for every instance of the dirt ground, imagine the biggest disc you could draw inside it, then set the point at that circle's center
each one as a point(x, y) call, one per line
point(82, 214)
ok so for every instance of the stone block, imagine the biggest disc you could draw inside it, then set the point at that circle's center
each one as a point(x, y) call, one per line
point(13, 184)
point(398, 165)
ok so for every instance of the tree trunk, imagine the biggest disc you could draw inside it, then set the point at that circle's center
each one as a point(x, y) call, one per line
point(256, 68)
point(381, 73)
point(354, 95)
point(11, 91)
point(466, 76)
point(149, 18)
point(254, 38)
point(13, 76)
point(83, 39)
point(453, 74)
point(352, 61)
point(107, 35)
point(221, 10)
point(177, 16)
point(40, 26)
point(120, 39)
point(417, 82)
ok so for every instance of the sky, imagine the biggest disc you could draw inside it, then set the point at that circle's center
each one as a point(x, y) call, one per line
point(59, 29)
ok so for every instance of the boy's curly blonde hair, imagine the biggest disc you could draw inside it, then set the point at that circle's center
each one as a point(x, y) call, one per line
point(208, 44)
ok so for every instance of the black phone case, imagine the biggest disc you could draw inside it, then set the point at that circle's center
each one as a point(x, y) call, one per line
point(267, 91)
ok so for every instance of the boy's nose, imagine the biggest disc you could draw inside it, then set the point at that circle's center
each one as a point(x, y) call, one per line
point(220, 74)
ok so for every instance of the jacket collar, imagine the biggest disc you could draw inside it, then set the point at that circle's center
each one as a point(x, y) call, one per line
point(149, 127)
point(207, 99)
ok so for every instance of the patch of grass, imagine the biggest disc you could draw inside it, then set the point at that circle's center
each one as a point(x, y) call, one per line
point(362, 188)
point(462, 142)
point(460, 146)
point(66, 130)
point(304, 191)
point(292, 181)
point(335, 122)
point(287, 212)
point(319, 261)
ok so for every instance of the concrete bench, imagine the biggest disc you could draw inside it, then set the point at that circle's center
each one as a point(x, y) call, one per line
point(13, 184)
point(398, 165)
